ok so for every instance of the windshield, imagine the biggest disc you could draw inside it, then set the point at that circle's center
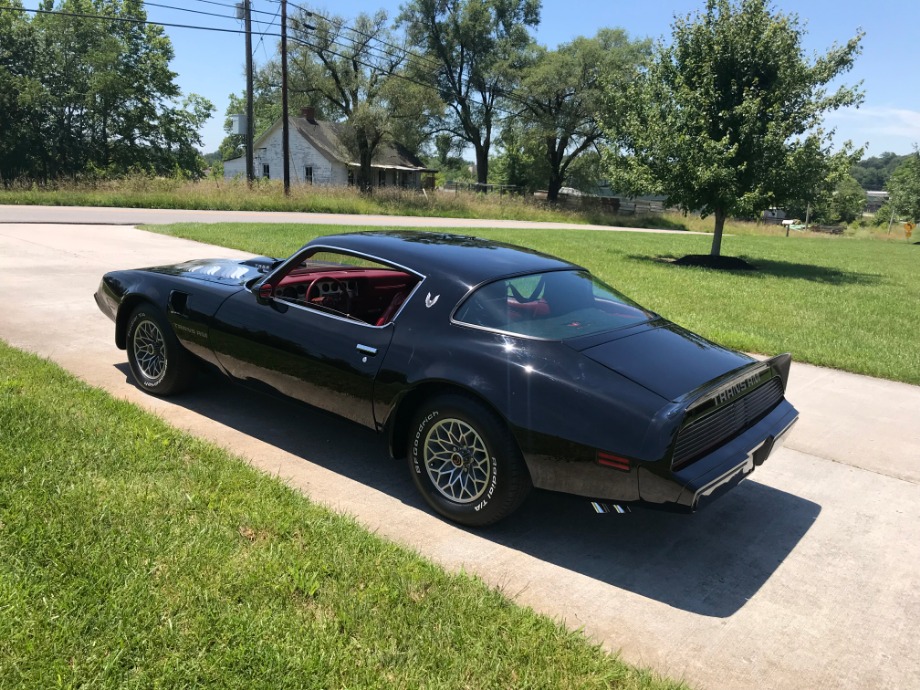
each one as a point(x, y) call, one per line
point(555, 306)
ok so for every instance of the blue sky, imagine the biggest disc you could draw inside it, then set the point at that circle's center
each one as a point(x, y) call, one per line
point(211, 64)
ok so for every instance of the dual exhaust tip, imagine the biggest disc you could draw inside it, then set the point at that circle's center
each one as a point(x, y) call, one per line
point(603, 508)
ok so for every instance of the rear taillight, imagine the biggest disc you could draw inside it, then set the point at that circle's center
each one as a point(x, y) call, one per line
point(610, 460)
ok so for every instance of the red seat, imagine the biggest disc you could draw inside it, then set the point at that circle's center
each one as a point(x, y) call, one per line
point(392, 307)
point(526, 311)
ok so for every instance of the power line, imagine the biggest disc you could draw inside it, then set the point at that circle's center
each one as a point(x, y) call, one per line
point(397, 75)
point(187, 9)
point(123, 20)
point(341, 24)
point(128, 20)
point(505, 94)
point(264, 33)
point(426, 60)
point(219, 4)
point(381, 55)
point(132, 20)
point(232, 6)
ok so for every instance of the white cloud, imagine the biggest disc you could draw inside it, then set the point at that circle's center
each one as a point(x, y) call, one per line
point(884, 128)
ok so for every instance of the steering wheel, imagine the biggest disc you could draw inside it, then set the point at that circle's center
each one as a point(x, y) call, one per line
point(342, 300)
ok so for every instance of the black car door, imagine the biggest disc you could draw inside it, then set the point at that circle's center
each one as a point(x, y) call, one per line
point(305, 353)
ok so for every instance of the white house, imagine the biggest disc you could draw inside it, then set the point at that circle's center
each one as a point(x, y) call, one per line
point(317, 156)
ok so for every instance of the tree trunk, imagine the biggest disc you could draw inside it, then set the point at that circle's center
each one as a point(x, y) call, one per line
point(554, 153)
point(482, 164)
point(555, 184)
point(364, 172)
point(717, 235)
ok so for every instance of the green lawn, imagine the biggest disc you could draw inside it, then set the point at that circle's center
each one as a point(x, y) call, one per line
point(133, 555)
point(840, 302)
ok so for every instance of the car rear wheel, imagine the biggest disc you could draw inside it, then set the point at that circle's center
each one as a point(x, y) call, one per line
point(465, 462)
point(158, 362)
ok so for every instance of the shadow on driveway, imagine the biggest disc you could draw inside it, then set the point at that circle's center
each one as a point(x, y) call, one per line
point(709, 563)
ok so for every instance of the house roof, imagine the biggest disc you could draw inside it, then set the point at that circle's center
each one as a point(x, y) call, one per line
point(326, 137)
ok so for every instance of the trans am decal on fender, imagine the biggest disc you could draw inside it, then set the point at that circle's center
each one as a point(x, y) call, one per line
point(491, 368)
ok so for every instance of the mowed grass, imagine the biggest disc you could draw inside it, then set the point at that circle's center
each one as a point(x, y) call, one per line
point(133, 555)
point(847, 303)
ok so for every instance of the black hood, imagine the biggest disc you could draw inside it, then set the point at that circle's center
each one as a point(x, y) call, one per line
point(225, 271)
point(666, 359)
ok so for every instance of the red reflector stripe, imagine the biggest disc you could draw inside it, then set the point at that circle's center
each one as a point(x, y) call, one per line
point(611, 460)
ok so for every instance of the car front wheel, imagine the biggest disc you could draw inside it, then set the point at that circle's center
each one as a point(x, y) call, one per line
point(465, 462)
point(158, 362)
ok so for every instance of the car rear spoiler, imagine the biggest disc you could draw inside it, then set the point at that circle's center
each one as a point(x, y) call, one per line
point(781, 365)
point(751, 375)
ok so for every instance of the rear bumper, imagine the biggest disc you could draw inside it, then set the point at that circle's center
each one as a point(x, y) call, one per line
point(706, 479)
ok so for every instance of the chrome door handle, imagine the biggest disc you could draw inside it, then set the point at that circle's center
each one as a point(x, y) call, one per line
point(366, 349)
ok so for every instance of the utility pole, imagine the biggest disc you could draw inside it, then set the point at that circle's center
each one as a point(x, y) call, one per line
point(285, 135)
point(250, 125)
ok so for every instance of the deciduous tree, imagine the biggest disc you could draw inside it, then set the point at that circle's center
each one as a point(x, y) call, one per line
point(904, 189)
point(475, 50)
point(873, 172)
point(728, 118)
point(20, 94)
point(563, 94)
point(95, 94)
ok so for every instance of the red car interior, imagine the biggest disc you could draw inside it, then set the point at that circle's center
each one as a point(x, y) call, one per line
point(371, 295)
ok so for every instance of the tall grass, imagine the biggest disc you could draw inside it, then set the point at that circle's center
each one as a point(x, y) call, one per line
point(236, 195)
point(268, 195)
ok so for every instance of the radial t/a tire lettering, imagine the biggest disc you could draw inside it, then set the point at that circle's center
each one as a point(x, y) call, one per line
point(159, 364)
point(465, 462)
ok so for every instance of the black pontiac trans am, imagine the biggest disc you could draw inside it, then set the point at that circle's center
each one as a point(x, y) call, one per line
point(492, 368)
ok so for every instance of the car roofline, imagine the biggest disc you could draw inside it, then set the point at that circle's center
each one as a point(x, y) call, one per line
point(472, 260)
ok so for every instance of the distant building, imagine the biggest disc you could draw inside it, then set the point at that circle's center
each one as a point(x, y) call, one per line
point(875, 200)
point(318, 156)
point(774, 215)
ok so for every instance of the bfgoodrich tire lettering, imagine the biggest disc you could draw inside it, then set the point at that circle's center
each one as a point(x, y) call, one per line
point(159, 364)
point(465, 462)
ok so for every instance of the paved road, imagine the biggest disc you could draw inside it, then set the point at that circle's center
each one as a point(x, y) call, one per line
point(156, 216)
point(805, 576)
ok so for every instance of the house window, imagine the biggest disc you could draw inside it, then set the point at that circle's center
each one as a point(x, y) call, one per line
point(351, 177)
point(382, 178)
point(308, 174)
point(265, 172)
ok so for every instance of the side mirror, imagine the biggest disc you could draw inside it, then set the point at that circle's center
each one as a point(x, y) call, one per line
point(265, 292)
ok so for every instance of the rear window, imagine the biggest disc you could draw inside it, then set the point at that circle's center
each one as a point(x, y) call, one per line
point(555, 306)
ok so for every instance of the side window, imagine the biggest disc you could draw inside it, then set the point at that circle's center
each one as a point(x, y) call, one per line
point(266, 171)
point(308, 174)
point(554, 306)
point(346, 285)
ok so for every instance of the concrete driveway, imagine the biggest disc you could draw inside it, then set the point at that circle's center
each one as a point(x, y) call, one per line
point(805, 576)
